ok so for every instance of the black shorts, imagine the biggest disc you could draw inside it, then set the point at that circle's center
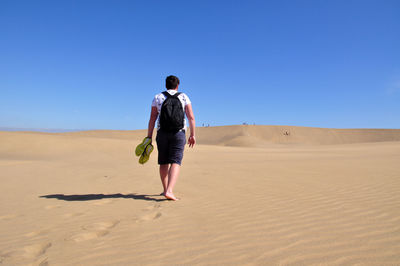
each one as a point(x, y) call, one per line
point(170, 147)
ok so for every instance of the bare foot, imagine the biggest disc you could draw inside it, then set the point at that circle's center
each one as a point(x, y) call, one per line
point(170, 196)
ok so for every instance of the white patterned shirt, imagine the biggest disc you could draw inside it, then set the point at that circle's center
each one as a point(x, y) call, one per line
point(160, 98)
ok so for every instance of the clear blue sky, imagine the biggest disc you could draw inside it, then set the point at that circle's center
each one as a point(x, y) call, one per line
point(98, 64)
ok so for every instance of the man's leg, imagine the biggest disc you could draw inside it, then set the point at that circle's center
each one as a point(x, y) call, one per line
point(172, 178)
point(164, 169)
point(162, 147)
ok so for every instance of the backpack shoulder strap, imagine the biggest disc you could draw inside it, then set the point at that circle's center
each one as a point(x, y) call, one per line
point(166, 94)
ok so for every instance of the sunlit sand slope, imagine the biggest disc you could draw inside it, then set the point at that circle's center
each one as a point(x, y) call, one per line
point(263, 135)
point(82, 199)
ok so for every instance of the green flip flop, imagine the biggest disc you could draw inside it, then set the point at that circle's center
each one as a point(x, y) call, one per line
point(142, 146)
point(146, 154)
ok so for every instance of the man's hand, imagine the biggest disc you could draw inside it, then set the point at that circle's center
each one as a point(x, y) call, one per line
point(192, 141)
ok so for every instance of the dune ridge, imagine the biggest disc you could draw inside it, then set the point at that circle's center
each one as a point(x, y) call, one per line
point(257, 135)
point(250, 135)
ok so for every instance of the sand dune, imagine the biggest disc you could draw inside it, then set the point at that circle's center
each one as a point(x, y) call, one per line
point(251, 195)
point(263, 135)
point(250, 135)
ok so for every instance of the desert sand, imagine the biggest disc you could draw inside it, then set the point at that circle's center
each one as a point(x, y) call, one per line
point(250, 195)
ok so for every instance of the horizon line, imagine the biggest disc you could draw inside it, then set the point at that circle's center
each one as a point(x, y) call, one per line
point(64, 130)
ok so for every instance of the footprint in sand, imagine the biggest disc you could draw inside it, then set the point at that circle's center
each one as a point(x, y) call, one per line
point(101, 225)
point(69, 215)
point(37, 233)
point(94, 231)
point(34, 254)
point(151, 213)
point(36, 250)
point(153, 207)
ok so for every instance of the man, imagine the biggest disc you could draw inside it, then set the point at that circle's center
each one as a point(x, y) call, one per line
point(171, 139)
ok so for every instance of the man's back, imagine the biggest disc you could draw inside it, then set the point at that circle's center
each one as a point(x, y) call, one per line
point(159, 99)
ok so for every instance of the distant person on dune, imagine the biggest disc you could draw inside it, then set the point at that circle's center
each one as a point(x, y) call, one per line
point(168, 109)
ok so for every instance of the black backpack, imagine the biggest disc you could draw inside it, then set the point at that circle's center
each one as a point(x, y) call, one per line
point(172, 116)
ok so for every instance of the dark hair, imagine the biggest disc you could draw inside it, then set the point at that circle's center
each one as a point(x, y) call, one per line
point(171, 82)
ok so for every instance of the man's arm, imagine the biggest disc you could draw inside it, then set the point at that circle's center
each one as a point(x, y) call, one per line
point(192, 124)
point(152, 121)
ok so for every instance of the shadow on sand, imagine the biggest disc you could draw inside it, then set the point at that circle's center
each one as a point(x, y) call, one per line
point(85, 197)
